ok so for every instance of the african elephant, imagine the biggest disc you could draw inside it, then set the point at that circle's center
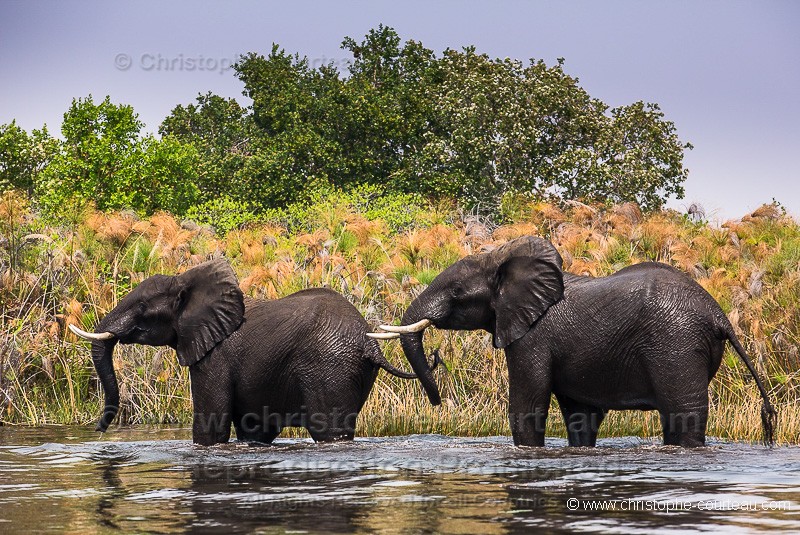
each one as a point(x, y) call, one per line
point(303, 360)
point(647, 338)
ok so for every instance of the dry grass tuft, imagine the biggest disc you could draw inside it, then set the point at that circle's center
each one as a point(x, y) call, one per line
point(511, 232)
point(261, 283)
point(115, 227)
point(581, 214)
point(364, 229)
point(765, 211)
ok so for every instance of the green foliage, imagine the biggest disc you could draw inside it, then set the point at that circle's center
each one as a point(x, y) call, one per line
point(97, 160)
point(217, 128)
point(223, 214)
point(346, 243)
point(620, 255)
point(138, 256)
point(294, 108)
point(104, 160)
point(328, 207)
point(166, 180)
point(460, 125)
point(503, 128)
point(23, 156)
point(398, 210)
point(786, 259)
point(426, 276)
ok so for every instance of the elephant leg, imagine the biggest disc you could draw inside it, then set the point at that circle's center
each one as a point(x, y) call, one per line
point(529, 388)
point(327, 424)
point(332, 435)
point(252, 428)
point(528, 419)
point(212, 418)
point(331, 410)
point(213, 406)
point(210, 427)
point(527, 415)
point(332, 425)
point(582, 421)
point(682, 399)
point(685, 427)
point(265, 436)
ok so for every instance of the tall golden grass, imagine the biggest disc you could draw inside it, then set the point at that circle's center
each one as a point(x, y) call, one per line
point(51, 277)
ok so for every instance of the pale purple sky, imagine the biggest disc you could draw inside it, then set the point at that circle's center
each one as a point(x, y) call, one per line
point(726, 72)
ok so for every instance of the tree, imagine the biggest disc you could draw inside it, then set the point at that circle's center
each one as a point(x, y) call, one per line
point(167, 177)
point(499, 127)
point(477, 145)
point(314, 126)
point(390, 109)
point(291, 142)
point(104, 160)
point(461, 125)
point(219, 130)
point(23, 156)
point(648, 156)
point(98, 159)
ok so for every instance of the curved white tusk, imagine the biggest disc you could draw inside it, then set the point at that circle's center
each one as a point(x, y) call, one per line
point(421, 325)
point(383, 336)
point(90, 336)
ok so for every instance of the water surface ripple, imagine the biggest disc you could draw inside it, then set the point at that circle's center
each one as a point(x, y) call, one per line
point(64, 479)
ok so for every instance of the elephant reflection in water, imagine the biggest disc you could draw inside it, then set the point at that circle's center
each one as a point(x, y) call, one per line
point(274, 498)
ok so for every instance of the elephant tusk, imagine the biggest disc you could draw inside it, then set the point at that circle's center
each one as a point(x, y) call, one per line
point(90, 336)
point(421, 325)
point(383, 336)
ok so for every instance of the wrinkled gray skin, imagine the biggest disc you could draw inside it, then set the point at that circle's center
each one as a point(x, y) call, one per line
point(647, 338)
point(303, 360)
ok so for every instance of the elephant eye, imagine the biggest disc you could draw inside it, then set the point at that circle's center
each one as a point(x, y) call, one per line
point(457, 290)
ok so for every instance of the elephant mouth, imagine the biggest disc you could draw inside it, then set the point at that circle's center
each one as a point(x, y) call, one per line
point(136, 335)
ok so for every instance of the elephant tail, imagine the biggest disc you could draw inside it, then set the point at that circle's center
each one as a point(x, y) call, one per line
point(375, 354)
point(768, 413)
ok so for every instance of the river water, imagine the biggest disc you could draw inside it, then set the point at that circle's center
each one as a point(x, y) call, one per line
point(70, 480)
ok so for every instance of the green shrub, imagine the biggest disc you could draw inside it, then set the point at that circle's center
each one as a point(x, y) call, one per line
point(223, 214)
point(329, 207)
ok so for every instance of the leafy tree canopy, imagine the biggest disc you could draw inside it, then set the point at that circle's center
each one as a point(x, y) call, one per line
point(458, 125)
point(104, 159)
point(23, 156)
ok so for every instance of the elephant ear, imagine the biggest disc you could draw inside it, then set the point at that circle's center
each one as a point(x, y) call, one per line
point(528, 281)
point(209, 307)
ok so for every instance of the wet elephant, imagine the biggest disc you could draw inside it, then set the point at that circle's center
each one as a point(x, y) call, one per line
point(647, 337)
point(303, 360)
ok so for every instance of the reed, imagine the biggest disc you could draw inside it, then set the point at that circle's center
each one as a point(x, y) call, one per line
point(51, 277)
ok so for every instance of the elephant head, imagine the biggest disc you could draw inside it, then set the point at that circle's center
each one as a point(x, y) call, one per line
point(191, 312)
point(503, 292)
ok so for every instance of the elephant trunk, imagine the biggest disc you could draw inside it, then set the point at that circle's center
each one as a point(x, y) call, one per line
point(415, 353)
point(102, 358)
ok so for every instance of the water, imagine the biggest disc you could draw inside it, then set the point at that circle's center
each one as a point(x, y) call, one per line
point(72, 480)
